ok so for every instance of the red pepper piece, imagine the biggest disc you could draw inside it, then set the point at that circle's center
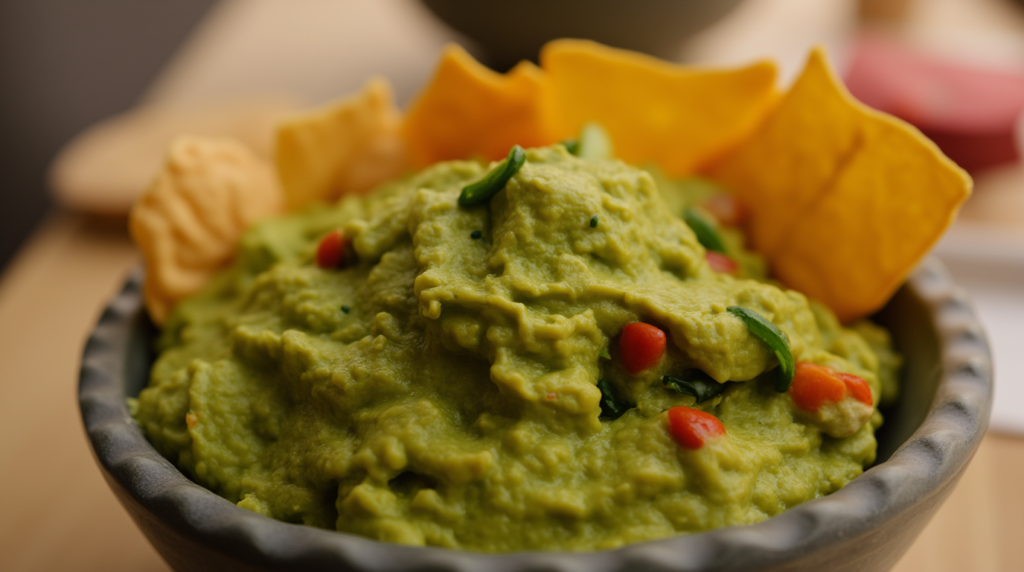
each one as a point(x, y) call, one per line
point(691, 428)
point(331, 252)
point(857, 387)
point(640, 346)
point(721, 263)
point(727, 210)
point(815, 385)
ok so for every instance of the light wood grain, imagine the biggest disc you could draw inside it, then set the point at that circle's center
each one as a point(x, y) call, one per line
point(56, 512)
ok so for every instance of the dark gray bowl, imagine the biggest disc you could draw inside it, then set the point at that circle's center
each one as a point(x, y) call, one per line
point(925, 445)
point(509, 32)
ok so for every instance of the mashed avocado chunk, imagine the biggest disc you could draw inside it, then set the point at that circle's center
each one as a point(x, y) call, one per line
point(443, 389)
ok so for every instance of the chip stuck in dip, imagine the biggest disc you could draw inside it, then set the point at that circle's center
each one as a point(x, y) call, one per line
point(543, 329)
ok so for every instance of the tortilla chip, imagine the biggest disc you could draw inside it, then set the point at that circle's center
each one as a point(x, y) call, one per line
point(189, 220)
point(467, 110)
point(349, 146)
point(677, 117)
point(844, 200)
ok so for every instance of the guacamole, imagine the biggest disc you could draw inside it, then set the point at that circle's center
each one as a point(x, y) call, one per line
point(443, 389)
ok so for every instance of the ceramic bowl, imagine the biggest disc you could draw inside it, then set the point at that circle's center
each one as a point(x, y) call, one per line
point(508, 33)
point(924, 447)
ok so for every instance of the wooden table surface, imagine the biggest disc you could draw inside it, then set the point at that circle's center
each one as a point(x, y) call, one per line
point(56, 512)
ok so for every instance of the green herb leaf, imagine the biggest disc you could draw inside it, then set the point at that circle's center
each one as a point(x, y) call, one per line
point(572, 146)
point(494, 181)
point(593, 221)
point(475, 235)
point(611, 407)
point(706, 233)
point(774, 338)
point(604, 354)
point(702, 389)
point(345, 309)
point(595, 144)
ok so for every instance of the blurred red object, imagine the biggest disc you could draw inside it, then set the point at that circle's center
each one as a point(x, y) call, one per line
point(971, 113)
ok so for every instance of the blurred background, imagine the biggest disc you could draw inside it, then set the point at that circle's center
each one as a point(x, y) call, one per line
point(66, 65)
point(90, 93)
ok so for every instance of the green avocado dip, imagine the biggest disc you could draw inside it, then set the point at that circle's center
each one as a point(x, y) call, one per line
point(443, 388)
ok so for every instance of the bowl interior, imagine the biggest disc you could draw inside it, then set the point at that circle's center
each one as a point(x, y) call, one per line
point(908, 318)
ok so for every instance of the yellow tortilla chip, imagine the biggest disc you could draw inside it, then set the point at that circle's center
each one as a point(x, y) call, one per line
point(677, 117)
point(844, 200)
point(467, 110)
point(349, 146)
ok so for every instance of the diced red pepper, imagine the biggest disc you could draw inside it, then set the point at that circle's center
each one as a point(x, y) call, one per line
point(721, 263)
point(331, 252)
point(815, 385)
point(640, 346)
point(727, 210)
point(857, 387)
point(692, 428)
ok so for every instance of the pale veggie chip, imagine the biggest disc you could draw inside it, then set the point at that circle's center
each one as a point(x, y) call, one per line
point(844, 200)
point(467, 110)
point(677, 117)
point(351, 145)
point(189, 220)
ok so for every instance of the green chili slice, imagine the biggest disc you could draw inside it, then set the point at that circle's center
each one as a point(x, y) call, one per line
point(706, 233)
point(572, 146)
point(494, 181)
point(774, 338)
point(611, 407)
point(702, 388)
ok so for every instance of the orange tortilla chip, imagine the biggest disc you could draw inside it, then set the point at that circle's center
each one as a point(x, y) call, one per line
point(467, 110)
point(656, 112)
point(348, 146)
point(844, 200)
